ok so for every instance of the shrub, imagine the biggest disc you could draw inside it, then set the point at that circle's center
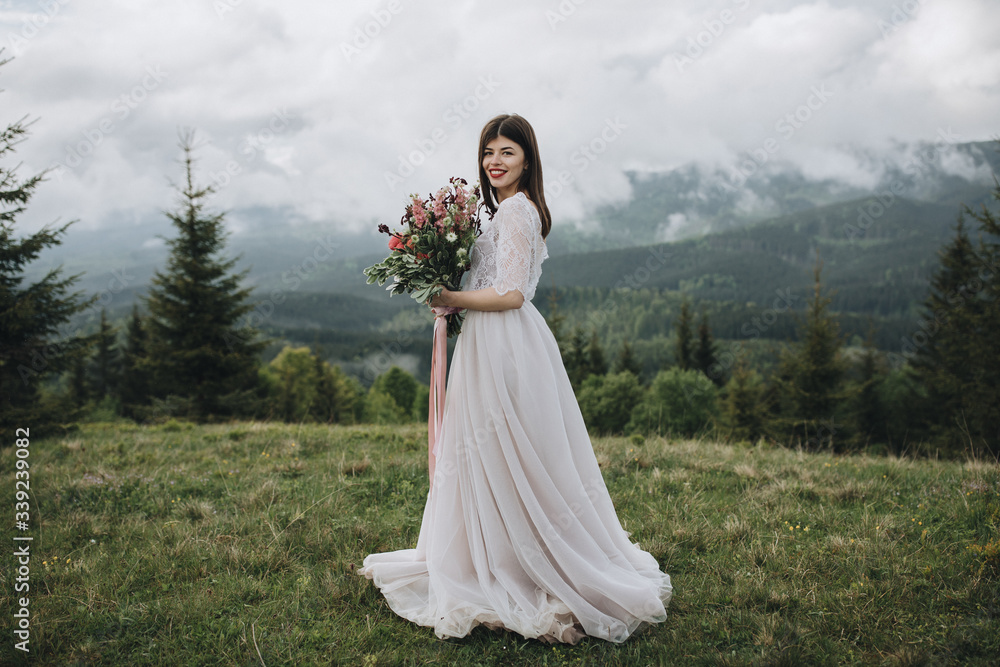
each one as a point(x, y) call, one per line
point(678, 403)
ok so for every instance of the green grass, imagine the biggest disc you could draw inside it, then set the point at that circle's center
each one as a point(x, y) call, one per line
point(238, 544)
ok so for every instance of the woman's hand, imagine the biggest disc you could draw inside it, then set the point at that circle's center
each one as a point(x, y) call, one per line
point(442, 299)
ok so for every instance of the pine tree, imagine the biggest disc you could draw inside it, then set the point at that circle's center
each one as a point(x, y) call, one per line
point(556, 320)
point(324, 408)
point(626, 361)
point(704, 355)
point(105, 368)
point(596, 365)
point(79, 391)
point(812, 374)
point(198, 350)
point(685, 358)
point(575, 359)
point(956, 354)
point(983, 422)
point(134, 385)
point(31, 315)
point(943, 351)
point(743, 404)
point(868, 416)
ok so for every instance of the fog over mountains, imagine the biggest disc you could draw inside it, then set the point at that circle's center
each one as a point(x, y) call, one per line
point(690, 201)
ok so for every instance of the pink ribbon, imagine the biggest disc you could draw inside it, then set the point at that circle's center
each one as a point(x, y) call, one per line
point(439, 367)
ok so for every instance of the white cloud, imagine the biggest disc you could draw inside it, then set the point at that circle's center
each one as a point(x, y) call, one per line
point(316, 102)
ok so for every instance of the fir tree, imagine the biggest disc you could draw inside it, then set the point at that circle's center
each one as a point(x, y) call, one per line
point(575, 358)
point(868, 416)
point(105, 368)
point(955, 353)
point(79, 391)
point(556, 320)
point(743, 404)
point(983, 423)
point(626, 361)
point(200, 349)
point(134, 385)
point(31, 315)
point(704, 355)
point(940, 347)
point(685, 358)
point(325, 407)
point(596, 365)
point(812, 374)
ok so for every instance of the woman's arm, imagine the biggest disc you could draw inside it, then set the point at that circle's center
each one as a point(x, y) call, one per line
point(480, 299)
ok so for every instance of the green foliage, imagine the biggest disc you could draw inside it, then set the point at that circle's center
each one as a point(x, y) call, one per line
point(302, 387)
point(626, 361)
point(867, 414)
point(400, 386)
point(704, 355)
point(381, 408)
point(33, 344)
point(685, 349)
point(106, 365)
point(607, 401)
point(202, 354)
point(134, 367)
point(810, 380)
point(596, 365)
point(956, 353)
point(678, 403)
point(743, 404)
point(395, 397)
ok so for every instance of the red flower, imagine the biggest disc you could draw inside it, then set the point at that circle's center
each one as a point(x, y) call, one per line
point(395, 243)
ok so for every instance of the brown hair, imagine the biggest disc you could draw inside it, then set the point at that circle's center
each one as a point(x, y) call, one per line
point(519, 131)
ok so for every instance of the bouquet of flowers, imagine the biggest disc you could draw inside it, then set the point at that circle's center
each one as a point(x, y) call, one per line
point(434, 247)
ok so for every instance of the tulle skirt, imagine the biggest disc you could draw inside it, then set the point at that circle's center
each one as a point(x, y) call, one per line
point(519, 530)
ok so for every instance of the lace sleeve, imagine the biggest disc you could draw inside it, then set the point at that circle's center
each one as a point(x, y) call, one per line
point(515, 250)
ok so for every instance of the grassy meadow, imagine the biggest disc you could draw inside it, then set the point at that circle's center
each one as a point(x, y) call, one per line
point(237, 544)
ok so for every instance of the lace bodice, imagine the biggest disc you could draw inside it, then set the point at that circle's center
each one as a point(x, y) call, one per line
point(510, 250)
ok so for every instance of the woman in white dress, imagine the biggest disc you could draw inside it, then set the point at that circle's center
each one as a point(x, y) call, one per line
point(519, 530)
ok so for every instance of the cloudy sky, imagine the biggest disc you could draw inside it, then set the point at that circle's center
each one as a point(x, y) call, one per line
point(331, 112)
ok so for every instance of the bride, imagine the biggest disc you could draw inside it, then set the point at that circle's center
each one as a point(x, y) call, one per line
point(519, 531)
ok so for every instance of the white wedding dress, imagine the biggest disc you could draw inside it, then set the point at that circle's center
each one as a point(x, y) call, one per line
point(518, 531)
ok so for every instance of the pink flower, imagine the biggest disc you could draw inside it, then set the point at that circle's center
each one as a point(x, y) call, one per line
point(440, 208)
point(419, 215)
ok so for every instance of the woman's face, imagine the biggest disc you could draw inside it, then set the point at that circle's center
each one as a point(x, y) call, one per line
point(503, 161)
